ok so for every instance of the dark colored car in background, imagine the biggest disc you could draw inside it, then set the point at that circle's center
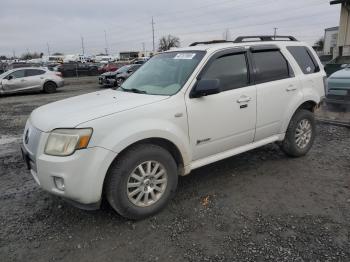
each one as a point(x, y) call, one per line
point(114, 79)
point(77, 69)
point(111, 67)
point(338, 91)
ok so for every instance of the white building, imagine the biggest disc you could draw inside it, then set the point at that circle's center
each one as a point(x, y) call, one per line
point(330, 40)
point(343, 42)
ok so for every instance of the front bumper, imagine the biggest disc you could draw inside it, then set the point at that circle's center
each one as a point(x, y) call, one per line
point(60, 83)
point(83, 174)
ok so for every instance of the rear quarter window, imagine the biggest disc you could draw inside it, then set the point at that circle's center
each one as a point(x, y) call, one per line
point(304, 58)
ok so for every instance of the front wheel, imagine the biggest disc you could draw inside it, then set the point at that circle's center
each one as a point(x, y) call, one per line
point(300, 134)
point(142, 181)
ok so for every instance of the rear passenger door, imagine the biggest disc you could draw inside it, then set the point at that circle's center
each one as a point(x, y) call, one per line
point(278, 90)
point(312, 75)
point(35, 78)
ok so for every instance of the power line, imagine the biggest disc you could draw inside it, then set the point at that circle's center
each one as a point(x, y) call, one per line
point(106, 43)
point(274, 32)
point(82, 45)
point(48, 49)
point(153, 35)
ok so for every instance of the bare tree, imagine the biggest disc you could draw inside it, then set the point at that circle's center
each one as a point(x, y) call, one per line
point(320, 42)
point(30, 55)
point(167, 42)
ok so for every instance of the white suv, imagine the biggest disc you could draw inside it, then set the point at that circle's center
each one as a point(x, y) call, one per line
point(181, 110)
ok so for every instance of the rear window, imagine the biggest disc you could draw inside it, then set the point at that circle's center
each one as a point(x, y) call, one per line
point(304, 58)
point(270, 66)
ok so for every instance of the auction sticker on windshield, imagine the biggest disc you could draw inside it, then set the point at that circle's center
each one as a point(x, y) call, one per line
point(184, 56)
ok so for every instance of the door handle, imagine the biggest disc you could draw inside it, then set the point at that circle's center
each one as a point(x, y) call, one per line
point(291, 88)
point(23, 80)
point(244, 99)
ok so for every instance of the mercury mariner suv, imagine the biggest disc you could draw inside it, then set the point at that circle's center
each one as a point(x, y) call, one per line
point(183, 109)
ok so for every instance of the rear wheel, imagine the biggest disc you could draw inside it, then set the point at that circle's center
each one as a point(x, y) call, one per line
point(50, 87)
point(142, 181)
point(300, 134)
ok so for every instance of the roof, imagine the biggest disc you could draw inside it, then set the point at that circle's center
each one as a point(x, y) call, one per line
point(334, 2)
point(332, 28)
point(214, 47)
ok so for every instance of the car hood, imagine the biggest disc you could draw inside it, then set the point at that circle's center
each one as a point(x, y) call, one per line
point(109, 73)
point(341, 74)
point(71, 112)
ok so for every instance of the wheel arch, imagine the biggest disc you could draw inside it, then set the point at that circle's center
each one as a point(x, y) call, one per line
point(309, 105)
point(49, 81)
point(170, 146)
point(162, 142)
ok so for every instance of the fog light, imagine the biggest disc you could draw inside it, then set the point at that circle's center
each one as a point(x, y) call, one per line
point(59, 183)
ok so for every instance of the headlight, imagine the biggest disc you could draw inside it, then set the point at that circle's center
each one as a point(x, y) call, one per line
point(64, 142)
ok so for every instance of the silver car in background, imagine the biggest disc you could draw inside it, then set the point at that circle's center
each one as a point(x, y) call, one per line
point(30, 79)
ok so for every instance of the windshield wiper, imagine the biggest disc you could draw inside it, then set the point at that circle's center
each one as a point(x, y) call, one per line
point(134, 90)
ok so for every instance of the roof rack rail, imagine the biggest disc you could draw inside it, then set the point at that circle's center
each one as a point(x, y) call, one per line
point(241, 39)
point(210, 42)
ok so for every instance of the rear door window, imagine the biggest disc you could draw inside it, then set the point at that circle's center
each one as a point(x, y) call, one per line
point(270, 66)
point(304, 58)
point(34, 72)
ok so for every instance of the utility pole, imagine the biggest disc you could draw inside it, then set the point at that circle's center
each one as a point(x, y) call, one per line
point(14, 53)
point(274, 33)
point(82, 45)
point(106, 43)
point(153, 35)
point(143, 47)
point(48, 49)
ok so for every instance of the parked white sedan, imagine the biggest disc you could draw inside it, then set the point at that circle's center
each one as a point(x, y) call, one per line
point(30, 79)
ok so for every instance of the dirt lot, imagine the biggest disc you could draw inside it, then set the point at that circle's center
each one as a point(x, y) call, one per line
point(258, 206)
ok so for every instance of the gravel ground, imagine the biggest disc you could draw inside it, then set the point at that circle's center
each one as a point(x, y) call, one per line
point(258, 206)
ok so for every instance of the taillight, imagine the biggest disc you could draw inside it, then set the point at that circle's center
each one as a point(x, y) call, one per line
point(58, 74)
point(325, 85)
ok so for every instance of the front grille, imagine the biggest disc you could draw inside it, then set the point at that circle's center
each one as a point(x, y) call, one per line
point(31, 143)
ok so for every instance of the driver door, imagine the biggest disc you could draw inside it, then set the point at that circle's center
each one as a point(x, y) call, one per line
point(15, 81)
point(226, 120)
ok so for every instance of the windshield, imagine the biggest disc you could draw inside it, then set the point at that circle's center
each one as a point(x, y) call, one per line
point(123, 69)
point(164, 74)
point(4, 74)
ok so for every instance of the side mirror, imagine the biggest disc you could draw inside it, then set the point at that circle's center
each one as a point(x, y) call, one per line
point(10, 77)
point(129, 71)
point(206, 87)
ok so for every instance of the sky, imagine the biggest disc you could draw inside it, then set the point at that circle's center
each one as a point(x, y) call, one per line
point(35, 25)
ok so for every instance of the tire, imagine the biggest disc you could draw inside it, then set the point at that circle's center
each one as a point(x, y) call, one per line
point(119, 183)
point(120, 81)
point(50, 87)
point(300, 134)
